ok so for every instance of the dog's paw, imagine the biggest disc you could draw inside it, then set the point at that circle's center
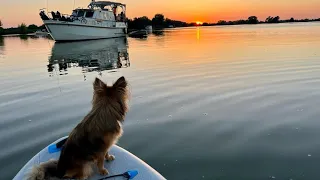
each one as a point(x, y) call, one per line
point(110, 158)
point(104, 172)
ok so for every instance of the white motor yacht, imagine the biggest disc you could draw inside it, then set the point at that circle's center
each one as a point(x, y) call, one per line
point(102, 19)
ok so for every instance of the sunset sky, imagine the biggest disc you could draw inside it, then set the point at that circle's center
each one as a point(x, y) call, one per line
point(14, 12)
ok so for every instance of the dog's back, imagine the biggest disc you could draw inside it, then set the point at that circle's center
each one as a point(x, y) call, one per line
point(97, 132)
point(83, 148)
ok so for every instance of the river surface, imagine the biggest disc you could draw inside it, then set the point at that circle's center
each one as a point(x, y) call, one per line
point(218, 103)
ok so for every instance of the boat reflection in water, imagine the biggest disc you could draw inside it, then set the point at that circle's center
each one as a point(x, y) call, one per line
point(95, 55)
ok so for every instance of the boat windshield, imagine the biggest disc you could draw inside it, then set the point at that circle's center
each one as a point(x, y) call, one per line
point(80, 13)
point(83, 13)
point(89, 14)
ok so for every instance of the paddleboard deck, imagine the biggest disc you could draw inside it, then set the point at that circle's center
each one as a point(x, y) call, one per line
point(124, 161)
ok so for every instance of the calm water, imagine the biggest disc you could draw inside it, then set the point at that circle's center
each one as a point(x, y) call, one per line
point(236, 102)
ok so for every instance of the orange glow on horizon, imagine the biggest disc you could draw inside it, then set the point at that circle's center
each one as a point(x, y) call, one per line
point(199, 23)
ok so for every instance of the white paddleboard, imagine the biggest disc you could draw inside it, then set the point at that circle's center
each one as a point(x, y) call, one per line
point(124, 162)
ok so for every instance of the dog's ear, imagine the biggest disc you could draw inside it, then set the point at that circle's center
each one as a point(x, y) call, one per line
point(120, 83)
point(98, 85)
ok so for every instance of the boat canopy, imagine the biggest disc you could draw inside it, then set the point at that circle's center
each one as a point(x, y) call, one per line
point(102, 4)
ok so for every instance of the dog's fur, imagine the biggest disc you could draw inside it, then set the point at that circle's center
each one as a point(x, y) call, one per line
point(91, 139)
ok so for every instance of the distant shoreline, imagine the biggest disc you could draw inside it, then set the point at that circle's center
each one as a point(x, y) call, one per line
point(160, 22)
point(261, 22)
point(22, 29)
point(30, 34)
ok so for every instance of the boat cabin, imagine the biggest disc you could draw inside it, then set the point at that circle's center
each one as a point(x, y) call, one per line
point(107, 10)
point(95, 14)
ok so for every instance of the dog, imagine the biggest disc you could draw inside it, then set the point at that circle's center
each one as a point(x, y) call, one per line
point(90, 140)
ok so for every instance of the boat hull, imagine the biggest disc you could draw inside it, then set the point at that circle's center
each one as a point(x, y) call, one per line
point(75, 32)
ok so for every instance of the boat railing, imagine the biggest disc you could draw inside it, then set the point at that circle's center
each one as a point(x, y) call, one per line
point(61, 17)
point(57, 16)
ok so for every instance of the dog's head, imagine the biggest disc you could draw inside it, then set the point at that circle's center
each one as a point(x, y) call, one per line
point(113, 97)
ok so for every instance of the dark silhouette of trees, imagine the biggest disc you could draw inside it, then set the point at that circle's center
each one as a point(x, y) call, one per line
point(273, 19)
point(33, 27)
point(139, 23)
point(222, 22)
point(1, 29)
point(42, 26)
point(268, 19)
point(276, 19)
point(169, 22)
point(241, 22)
point(23, 28)
point(158, 21)
point(253, 20)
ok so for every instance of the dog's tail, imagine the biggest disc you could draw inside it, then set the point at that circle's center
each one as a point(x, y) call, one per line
point(45, 171)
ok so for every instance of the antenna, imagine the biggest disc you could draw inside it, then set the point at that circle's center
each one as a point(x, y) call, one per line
point(47, 7)
point(74, 3)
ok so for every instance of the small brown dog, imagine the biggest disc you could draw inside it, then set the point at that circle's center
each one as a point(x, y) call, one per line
point(91, 139)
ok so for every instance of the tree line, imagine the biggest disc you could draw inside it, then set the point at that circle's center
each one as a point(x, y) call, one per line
point(20, 29)
point(158, 22)
point(254, 20)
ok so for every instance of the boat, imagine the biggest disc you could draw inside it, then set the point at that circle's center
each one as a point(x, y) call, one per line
point(125, 166)
point(41, 33)
point(149, 29)
point(138, 34)
point(100, 20)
